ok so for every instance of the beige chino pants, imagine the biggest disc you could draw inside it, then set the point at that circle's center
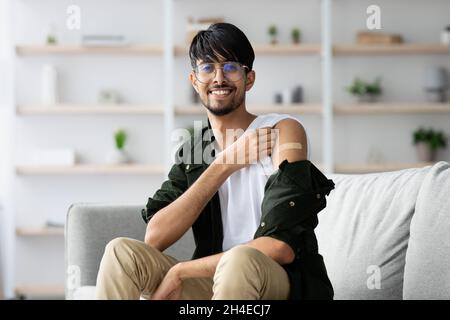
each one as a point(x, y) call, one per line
point(130, 269)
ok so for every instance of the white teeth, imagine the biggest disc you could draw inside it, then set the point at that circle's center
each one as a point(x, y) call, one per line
point(220, 92)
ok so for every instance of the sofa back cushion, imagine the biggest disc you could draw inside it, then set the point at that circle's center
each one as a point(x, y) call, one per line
point(363, 232)
point(427, 270)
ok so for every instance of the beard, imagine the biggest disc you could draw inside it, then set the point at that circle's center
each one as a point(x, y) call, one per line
point(224, 109)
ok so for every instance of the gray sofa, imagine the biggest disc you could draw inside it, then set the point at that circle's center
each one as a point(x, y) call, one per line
point(383, 236)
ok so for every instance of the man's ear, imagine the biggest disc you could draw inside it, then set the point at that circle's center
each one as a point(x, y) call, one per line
point(193, 80)
point(250, 80)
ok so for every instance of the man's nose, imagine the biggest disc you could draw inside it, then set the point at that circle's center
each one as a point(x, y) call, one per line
point(219, 77)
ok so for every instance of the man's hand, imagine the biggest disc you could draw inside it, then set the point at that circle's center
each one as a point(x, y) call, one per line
point(248, 148)
point(170, 287)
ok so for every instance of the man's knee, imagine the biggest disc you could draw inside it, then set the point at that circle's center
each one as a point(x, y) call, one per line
point(241, 255)
point(126, 247)
point(119, 244)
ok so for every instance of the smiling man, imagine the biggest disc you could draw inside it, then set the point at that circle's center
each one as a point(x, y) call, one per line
point(252, 208)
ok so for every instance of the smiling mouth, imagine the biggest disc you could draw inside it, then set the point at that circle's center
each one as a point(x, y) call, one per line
point(220, 93)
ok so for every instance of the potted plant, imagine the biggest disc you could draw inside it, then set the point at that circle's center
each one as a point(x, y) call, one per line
point(50, 36)
point(427, 142)
point(445, 35)
point(365, 91)
point(296, 35)
point(118, 155)
point(273, 32)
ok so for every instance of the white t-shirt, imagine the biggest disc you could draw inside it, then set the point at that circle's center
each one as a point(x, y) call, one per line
point(242, 193)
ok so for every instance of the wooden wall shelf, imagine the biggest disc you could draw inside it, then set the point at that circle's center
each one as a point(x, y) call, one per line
point(91, 169)
point(30, 50)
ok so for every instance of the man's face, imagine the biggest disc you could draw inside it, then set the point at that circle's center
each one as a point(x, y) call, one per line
point(219, 92)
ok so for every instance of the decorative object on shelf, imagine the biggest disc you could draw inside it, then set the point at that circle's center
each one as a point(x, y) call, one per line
point(278, 98)
point(296, 35)
point(55, 222)
point(287, 96)
point(273, 34)
point(103, 40)
point(52, 157)
point(119, 155)
point(365, 91)
point(427, 142)
point(445, 35)
point(372, 37)
point(194, 26)
point(50, 35)
point(297, 94)
point(436, 84)
point(108, 96)
point(375, 156)
point(49, 94)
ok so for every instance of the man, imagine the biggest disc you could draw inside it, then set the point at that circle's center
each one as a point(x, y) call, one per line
point(252, 213)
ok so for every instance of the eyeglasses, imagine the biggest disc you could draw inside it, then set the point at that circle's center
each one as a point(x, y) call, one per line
point(232, 71)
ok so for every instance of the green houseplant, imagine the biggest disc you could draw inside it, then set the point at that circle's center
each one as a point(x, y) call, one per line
point(120, 138)
point(119, 155)
point(427, 142)
point(296, 35)
point(365, 91)
point(273, 33)
point(50, 37)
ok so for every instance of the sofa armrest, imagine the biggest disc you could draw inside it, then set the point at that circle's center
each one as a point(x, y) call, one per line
point(90, 226)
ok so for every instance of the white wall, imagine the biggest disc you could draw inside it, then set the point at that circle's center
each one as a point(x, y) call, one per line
point(418, 21)
point(6, 205)
point(38, 199)
point(140, 81)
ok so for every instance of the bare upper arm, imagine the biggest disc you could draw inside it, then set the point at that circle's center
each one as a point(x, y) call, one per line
point(292, 142)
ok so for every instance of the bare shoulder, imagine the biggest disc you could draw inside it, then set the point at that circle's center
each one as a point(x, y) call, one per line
point(292, 142)
point(291, 127)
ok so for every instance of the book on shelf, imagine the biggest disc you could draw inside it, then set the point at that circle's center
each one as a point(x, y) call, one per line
point(367, 37)
point(103, 40)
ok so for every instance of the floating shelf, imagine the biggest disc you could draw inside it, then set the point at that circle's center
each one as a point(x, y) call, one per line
point(39, 291)
point(280, 49)
point(90, 110)
point(371, 168)
point(367, 108)
point(40, 232)
point(29, 50)
point(258, 109)
point(377, 49)
point(383, 108)
point(91, 169)
point(277, 49)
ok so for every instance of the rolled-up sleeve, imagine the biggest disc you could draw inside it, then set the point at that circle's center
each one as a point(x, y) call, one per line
point(170, 190)
point(293, 195)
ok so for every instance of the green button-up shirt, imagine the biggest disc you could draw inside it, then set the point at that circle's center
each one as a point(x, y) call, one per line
point(293, 196)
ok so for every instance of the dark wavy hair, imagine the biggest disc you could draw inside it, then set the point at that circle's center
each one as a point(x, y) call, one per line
point(221, 40)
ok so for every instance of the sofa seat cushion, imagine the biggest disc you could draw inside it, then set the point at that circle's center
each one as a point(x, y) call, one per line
point(363, 232)
point(427, 271)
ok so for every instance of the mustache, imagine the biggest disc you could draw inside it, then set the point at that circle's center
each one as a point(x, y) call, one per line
point(221, 87)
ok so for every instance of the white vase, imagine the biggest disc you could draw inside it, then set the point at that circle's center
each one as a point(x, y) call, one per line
point(366, 98)
point(424, 152)
point(117, 156)
point(445, 37)
point(287, 96)
point(49, 92)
